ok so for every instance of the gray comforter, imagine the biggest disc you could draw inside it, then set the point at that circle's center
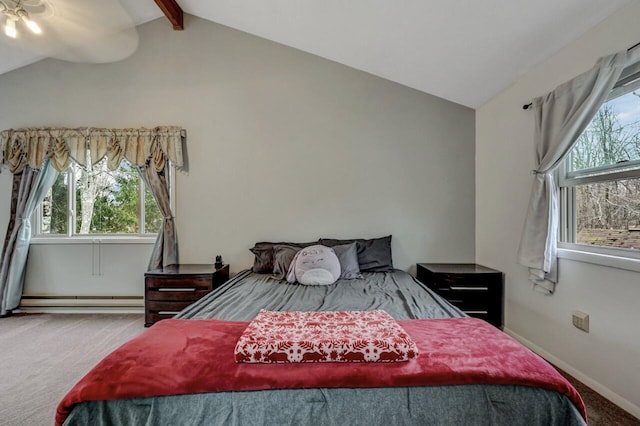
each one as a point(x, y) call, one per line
point(397, 293)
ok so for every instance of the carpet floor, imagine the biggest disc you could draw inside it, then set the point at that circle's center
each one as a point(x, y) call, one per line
point(45, 355)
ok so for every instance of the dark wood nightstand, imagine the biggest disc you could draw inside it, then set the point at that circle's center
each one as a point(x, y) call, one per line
point(168, 291)
point(475, 289)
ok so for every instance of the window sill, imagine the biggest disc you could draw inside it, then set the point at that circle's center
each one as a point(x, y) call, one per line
point(93, 240)
point(611, 261)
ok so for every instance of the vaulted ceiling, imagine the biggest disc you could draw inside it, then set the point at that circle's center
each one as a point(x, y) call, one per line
point(463, 51)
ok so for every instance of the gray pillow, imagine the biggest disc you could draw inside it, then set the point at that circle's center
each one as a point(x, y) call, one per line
point(263, 252)
point(348, 257)
point(282, 257)
point(374, 255)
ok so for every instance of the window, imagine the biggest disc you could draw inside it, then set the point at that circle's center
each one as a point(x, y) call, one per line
point(600, 179)
point(96, 201)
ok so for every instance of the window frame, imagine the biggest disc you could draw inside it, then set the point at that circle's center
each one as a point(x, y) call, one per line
point(37, 237)
point(567, 182)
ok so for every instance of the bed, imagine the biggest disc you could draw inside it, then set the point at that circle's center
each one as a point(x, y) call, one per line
point(395, 292)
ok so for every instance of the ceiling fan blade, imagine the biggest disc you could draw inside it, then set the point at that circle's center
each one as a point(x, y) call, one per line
point(93, 31)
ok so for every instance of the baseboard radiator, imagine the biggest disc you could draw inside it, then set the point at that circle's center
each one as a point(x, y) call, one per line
point(39, 303)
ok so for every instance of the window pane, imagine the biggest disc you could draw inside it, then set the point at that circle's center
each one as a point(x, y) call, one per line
point(55, 207)
point(608, 214)
point(613, 136)
point(152, 216)
point(107, 201)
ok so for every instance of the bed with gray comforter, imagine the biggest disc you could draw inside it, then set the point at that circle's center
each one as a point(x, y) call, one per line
point(396, 292)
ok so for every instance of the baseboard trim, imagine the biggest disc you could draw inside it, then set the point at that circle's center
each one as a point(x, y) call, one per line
point(81, 304)
point(77, 310)
point(620, 401)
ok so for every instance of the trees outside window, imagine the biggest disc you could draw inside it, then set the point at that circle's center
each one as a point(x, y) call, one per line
point(600, 183)
point(96, 201)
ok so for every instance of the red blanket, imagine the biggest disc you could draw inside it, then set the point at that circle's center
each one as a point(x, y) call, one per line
point(194, 356)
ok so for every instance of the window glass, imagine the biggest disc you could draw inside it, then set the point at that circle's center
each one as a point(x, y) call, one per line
point(104, 202)
point(612, 137)
point(107, 202)
point(608, 214)
point(55, 207)
point(601, 183)
point(152, 217)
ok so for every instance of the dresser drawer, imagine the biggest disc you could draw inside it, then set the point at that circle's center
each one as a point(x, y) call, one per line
point(156, 311)
point(466, 301)
point(151, 318)
point(169, 308)
point(179, 283)
point(177, 294)
point(469, 300)
point(460, 285)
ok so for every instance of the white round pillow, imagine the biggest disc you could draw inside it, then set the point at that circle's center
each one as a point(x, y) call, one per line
point(314, 265)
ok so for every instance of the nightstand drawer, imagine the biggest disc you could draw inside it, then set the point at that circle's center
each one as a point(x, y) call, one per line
point(467, 303)
point(169, 308)
point(171, 289)
point(176, 294)
point(151, 318)
point(474, 289)
point(476, 297)
point(459, 280)
point(179, 283)
point(482, 314)
point(477, 286)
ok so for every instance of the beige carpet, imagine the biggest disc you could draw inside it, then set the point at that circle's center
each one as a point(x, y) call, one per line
point(44, 355)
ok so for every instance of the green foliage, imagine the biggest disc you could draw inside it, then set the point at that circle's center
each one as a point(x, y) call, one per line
point(58, 206)
point(116, 208)
point(152, 216)
point(116, 202)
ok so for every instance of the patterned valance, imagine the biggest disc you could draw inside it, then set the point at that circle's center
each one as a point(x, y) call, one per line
point(32, 146)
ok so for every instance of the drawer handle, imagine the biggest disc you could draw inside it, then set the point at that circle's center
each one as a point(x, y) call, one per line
point(469, 288)
point(168, 312)
point(181, 289)
point(476, 312)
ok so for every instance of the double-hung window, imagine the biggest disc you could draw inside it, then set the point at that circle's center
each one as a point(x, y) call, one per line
point(600, 179)
point(98, 202)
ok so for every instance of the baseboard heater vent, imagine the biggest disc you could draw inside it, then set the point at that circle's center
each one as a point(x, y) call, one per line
point(36, 301)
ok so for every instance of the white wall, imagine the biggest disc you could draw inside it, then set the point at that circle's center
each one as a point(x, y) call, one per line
point(608, 357)
point(282, 145)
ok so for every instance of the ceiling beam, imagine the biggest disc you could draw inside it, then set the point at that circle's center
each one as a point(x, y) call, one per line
point(172, 11)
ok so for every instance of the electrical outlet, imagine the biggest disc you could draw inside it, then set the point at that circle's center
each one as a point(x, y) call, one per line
point(581, 320)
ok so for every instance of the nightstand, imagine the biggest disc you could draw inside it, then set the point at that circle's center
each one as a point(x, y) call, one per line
point(169, 290)
point(475, 289)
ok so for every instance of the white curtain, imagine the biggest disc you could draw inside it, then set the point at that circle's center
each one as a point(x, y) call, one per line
point(560, 117)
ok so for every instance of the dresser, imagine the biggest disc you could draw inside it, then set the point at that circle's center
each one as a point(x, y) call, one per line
point(169, 290)
point(475, 289)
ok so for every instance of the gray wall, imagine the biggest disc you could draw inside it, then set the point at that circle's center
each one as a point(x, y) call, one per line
point(608, 357)
point(282, 145)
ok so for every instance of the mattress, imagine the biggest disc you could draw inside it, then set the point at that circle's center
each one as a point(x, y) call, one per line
point(398, 294)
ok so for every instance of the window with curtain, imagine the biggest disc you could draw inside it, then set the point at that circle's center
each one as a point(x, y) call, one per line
point(93, 200)
point(600, 179)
